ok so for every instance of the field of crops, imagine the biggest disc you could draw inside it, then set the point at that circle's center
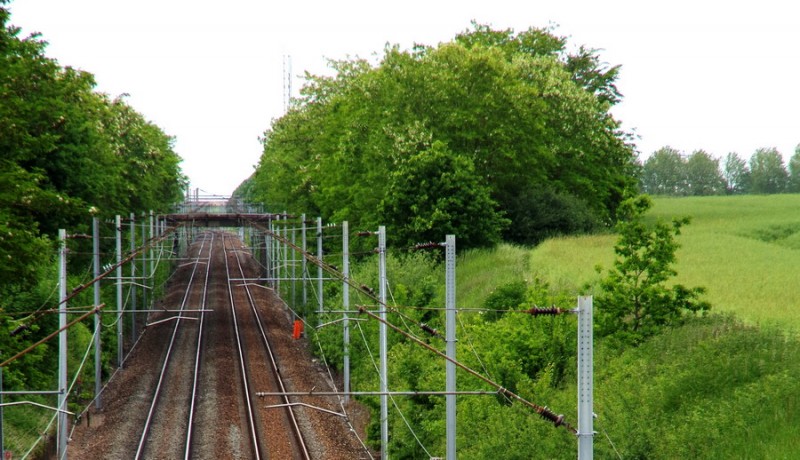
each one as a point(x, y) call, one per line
point(744, 249)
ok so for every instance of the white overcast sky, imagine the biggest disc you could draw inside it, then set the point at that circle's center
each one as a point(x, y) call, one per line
point(715, 75)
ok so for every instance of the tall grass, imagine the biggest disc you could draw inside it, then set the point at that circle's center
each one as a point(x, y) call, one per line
point(714, 388)
point(745, 250)
point(480, 271)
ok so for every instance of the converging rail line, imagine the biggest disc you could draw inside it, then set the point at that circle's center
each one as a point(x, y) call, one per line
point(192, 388)
point(169, 409)
point(283, 438)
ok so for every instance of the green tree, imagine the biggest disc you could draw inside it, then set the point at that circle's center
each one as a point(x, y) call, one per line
point(767, 172)
point(736, 174)
point(541, 213)
point(20, 243)
point(63, 158)
point(794, 171)
point(637, 298)
point(434, 193)
point(664, 173)
point(702, 174)
point(516, 106)
point(149, 175)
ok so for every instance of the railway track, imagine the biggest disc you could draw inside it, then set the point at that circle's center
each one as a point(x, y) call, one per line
point(189, 389)
point(284, 438)
point(172, 409)
point(173, 428)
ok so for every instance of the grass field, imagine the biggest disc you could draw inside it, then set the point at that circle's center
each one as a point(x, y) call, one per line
point(718, 387)
point(744, 249)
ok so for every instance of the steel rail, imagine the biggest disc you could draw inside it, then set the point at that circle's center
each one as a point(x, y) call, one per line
point(251, 418)
point(295, 427)
point(196, 373)
point(165, 365)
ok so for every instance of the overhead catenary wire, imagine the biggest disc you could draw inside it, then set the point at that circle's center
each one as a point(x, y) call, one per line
point(403, 317)
point(109, 270)
point(544, 411)
point(74, 380)
point(377, 370)
point(36, 314)
point(51, 335)
point(334, 271)
point(332, 383)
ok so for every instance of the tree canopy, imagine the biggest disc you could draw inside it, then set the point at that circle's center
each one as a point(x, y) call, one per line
point(669, 172)
point(454, 138)
point(768, 172)
point(67, 153)
point(66, 148)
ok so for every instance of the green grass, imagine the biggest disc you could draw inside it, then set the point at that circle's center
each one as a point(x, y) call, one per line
point(714, 388)
point(744, 249)
point(717, 387)
point(474, 282)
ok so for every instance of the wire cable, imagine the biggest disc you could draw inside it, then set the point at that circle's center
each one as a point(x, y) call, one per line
point(394, 403)
point(332, 383)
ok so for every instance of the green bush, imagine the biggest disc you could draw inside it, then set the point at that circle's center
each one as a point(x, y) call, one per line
point(540, 213)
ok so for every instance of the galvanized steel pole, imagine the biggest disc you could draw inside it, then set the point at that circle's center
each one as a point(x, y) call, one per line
point(585, 380)
point(144, 264)
point(450, 339)
point(319, 270)
point(134, 288)
point(384, 387)
point(2, 435)
point(97, 324)
point(278, 257)
point(274, 255)
point(268, 247)
point(62, 346)
point(285, 251)
point(346, 306)
point(152, 255)
point(118, 226)
point(294, 274)
point(303, 263)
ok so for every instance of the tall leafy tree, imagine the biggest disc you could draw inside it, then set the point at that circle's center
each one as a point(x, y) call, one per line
point(767, 171)
point(148, 167)
point(664, 173)
point(794, 171)
point(736, 174)
point(517, 107)
point(433, 192)
point(702, 174)
point(63, 159)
